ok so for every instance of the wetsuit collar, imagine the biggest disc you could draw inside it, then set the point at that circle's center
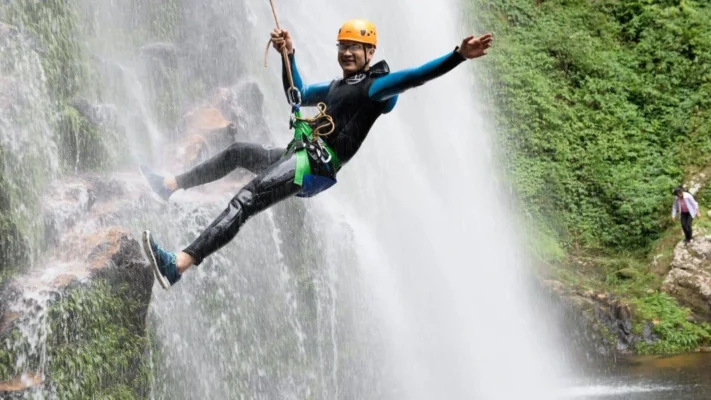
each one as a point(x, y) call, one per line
point(380, 68)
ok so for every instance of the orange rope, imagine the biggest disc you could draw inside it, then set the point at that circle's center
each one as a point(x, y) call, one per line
point(284, 54)
point(318, 131)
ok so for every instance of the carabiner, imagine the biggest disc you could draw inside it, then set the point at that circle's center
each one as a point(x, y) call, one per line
point(315, 152)
point(324, 152)
point(326, 160)
point(294, 96)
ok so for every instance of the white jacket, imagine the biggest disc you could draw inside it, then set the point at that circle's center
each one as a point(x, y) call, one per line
point(691, 205)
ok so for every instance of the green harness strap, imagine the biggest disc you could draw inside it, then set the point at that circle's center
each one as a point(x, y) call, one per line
point(303, 132)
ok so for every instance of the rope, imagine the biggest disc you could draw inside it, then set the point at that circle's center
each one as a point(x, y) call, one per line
point(284, 54)
point(318, 130)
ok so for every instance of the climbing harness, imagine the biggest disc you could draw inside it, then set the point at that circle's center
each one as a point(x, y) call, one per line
point(308, 133)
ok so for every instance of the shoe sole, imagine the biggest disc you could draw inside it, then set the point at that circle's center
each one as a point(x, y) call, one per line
point(152, 260)
point(154, 194)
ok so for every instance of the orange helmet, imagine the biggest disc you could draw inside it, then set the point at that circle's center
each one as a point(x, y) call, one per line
point(358, 30)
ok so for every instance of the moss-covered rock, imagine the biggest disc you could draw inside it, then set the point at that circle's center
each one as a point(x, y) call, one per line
point(627, 273)
point(56, 24)
point(88, 141)
point(99, 341)
point(595, 321)
point(27, 151)
point(15, 248)
point(92, 341)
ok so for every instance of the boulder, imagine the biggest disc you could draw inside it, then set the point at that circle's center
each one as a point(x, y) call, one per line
point(74, 325)
point(597, 325)
point(242, 104)
point(167, 53)
point(96, 306)
point(689, 279)
point(90, 136)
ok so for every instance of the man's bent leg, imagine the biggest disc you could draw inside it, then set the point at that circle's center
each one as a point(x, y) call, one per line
point(272, 186)
point(255, 158)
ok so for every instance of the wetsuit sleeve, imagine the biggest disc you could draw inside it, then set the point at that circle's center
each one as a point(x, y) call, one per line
point(397, 82)
point(310, 94)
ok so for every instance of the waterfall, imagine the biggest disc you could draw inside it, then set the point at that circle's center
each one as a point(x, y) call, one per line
point(28, 154)
point(404, 281)
point(413, 282)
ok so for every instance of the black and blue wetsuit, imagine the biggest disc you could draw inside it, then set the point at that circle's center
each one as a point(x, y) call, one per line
point(354, 103)
point(357, 101)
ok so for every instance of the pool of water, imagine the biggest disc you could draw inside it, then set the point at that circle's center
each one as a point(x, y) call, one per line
point(678, 377)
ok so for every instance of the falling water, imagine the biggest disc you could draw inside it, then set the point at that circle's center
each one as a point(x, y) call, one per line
point(404, 281)
point(28, 154)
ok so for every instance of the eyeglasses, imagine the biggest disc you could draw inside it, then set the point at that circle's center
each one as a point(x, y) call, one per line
point(352, 47)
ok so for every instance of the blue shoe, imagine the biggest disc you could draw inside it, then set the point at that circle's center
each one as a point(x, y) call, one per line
point(162, 262)
point(155, 181)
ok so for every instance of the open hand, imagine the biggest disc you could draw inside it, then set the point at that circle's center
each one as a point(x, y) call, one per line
point(473, 47)
point(281, 39)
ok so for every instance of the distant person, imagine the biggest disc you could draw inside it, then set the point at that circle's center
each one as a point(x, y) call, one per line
point(354, 102)
point(688, 208)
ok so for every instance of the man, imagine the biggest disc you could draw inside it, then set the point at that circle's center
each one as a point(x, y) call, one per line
point(688, 208)
point(354, 103)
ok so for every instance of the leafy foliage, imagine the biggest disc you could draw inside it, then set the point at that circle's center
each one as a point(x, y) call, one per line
point(677, 334)
point(98, 343)
point(600, 106)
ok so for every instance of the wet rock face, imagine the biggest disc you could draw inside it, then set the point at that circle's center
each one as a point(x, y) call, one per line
point(243, 105)
point(90, 136)
point(689, 280)
point(27, 150)
point(85, 304)
point(166, 53)
point(100, 115)
point(229, 114)
point(74, 325)
point(597, 324)
point(63, 208)
point(616, 317)
point(8, 30)
point(9, 92)
point(19, 387)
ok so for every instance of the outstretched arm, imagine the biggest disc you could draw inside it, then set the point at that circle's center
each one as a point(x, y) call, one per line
point(397, 82)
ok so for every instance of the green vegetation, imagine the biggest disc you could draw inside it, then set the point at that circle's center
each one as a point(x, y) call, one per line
point(56, 25)
point(87, 146)
point(52, 30)
point(96, 344)
point(99, 341)
point(602, 107)
point(50, 27)
point(671, 324)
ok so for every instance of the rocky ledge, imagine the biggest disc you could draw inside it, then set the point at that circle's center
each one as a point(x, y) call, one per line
point(689, 279)
point(598, 323)
point(73, 326)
